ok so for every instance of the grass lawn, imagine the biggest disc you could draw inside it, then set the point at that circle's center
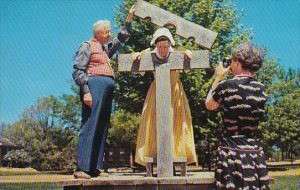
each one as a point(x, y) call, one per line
point(30, 186)
point(286, 180)
point(286, 183)
point(16, 171)
point(30, 179)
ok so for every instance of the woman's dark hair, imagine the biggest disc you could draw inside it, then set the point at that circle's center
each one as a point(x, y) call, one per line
point(162, 38)
point(249, 56)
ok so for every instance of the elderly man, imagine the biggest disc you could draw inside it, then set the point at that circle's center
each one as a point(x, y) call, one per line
point(95, 76)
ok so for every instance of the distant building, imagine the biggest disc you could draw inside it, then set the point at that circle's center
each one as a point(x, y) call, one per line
point(5, 146)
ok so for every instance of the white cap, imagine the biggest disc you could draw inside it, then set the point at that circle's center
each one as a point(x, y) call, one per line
point(162, 32)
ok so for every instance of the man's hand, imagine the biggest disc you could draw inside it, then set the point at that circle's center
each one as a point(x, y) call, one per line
point(87, 99)
point(130, 14)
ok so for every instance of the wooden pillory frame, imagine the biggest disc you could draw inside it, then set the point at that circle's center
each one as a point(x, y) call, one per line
point(148, 62)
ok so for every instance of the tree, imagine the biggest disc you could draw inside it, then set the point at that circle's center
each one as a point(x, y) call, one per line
point(48, 133)
point(281, 127)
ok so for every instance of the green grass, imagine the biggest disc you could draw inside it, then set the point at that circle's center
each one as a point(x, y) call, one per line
point(17, 171)
point(11, 173)
point(286, 183)
point(31, 186)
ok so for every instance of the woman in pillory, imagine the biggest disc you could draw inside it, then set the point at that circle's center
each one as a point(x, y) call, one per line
point(182, 126)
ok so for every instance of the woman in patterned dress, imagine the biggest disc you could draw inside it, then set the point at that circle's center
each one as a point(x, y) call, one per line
point(241, 99)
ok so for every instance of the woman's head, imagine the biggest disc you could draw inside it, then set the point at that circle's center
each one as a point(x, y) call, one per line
point(248, 56)
point(163, 45)
point(162, 38)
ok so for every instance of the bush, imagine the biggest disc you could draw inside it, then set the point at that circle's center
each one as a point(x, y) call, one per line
point(17, 158)
point(123, 132)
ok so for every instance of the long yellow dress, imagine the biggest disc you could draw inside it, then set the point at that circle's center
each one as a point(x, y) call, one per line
point(184, 145)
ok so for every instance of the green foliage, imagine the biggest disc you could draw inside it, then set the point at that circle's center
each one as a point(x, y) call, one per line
point(48, 133)
point(31, 186)
point(123, 131)
point(17, 158)
point(281, 127)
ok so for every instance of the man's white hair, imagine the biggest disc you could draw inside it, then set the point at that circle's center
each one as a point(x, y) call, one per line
point(99, 25)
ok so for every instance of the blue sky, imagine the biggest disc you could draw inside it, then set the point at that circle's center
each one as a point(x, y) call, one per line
point(277, 27)
point(39, 39)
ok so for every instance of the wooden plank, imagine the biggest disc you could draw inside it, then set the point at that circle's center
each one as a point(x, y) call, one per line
point(199, 60)
point(146, 181)
point(204, 37)
point(199, 181)
point(172, 180)
point(112, 180)
point(164, 121)
point(180, 159)
point(126, 63)
point(72, 182)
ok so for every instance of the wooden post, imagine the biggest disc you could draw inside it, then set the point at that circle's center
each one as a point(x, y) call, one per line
point(164, 121)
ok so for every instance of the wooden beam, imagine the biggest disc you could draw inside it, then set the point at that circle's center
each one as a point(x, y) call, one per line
point(200, 60)
point(160, 17)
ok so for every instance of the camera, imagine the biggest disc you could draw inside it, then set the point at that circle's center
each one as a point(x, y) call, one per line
point(226, 62)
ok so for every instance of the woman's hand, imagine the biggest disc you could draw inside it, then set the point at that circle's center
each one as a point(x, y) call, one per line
point(136, 56)
point(220, 71)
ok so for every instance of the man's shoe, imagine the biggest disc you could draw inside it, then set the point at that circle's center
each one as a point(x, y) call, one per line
point(103, 174)
point(98, 173)
point(94, 173)
point(81, 175)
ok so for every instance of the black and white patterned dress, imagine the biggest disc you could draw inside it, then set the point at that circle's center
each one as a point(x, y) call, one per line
point(240, 159)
